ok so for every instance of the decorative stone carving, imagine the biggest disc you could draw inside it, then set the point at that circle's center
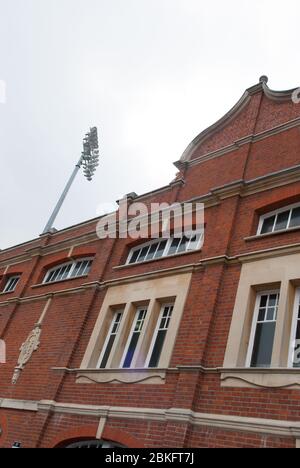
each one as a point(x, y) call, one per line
point(28, 347)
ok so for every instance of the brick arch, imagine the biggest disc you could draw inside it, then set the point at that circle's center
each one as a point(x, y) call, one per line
point(67, 437)
point(88, 432)
point(122, 437)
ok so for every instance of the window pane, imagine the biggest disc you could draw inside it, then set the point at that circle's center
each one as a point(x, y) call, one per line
point(11, 284)
point(82, 268)
point(131, 349)
point(268, 225)
point(63, 273)
point(134, 256)
point(183, 245)
point(137, 327)
point(261, 315)
point(263, 344)
point(161, 249)
point(282, 220)
point(295, 219)
point(107, 351)
point(271, 314)
point(164, 322)
point(143, 254)
point(174, 246)
point(117, 323)
point(88, 267)
point(49, 277)
point(273, 300)
point(76, 271)
point(194, 241)
point(152, 251)
point(112, 336)
point(157, 348)
point(55, 274)
point(263, 301)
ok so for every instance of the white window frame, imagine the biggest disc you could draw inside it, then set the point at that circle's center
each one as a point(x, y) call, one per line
point(167, 247)
point(294, 327)
point(157, 328)
point(9, 281)
point(138, 310)
point(254, 323)
point(62, 265)
point(109, 334)
point(276, 213)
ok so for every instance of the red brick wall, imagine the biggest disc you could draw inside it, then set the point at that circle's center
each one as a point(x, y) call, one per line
point(203, 333)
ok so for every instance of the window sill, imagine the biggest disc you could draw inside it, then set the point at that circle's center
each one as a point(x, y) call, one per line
point(270, 234)
point(3, 293)
point(129, 265)
point(287, 378)
point(57, 282)
point(148, 376)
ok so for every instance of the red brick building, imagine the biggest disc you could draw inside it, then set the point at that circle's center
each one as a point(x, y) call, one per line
point(155, 344)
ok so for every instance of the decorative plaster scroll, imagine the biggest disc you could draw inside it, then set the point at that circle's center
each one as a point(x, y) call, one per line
point(126, 378)
point(28, 347)
point(283, 380)
point(31, 344)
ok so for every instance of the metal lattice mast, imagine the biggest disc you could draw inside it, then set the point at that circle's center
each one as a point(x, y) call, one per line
point(89, 160)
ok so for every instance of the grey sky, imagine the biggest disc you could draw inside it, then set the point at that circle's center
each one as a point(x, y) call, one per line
point(151, 74)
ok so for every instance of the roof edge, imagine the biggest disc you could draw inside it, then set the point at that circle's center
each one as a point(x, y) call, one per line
point(262, 86)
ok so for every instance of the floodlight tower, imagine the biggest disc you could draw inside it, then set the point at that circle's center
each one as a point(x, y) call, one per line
point(89, 160)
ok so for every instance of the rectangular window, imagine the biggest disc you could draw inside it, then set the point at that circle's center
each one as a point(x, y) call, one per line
point(280, 220)
point(263, 330)
point(110, 339)
point(134, 336)
point(68, 270)
point(160, 335)
point(295, 336)
point(165, 247)
point(11, 284)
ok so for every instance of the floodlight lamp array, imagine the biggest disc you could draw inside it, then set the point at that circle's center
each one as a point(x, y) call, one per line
point(90, 154)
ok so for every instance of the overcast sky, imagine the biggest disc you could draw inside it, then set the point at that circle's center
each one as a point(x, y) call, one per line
point(150, 74)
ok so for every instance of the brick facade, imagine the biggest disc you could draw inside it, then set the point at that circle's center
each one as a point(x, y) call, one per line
point(246, 165)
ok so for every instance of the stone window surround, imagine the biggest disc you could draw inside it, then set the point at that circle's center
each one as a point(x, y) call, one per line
point(153, 293)
point(282, 273)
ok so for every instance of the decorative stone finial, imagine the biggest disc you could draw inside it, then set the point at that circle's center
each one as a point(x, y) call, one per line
point(263, 79)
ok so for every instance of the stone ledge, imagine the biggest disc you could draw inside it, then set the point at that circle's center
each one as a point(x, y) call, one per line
point(180, 415)
point(261, 378)
point(151, 376)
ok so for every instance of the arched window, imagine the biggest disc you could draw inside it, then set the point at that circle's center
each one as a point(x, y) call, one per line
point(72, 269)
point(93, 444)
point(11, 283)
point(280, 220)
point(158, 248)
